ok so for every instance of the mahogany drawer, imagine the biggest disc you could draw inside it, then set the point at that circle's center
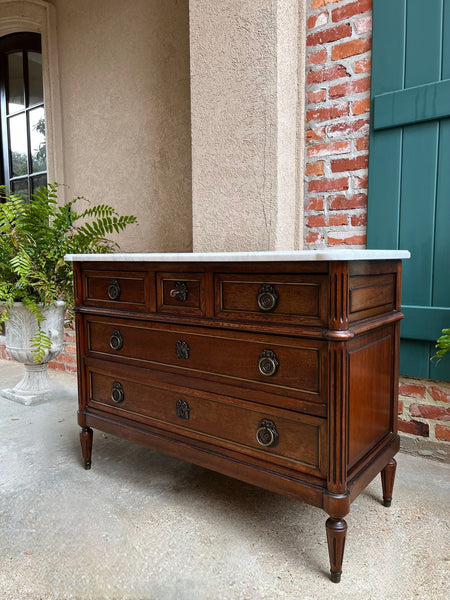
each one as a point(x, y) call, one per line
point(298, 299)
point(181, 293)
point(118, 289)
point(256, 429)
point(287, 366)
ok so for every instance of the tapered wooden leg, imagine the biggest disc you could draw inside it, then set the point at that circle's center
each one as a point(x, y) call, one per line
point(86, 435)
point(336, 530)
point(387, 481)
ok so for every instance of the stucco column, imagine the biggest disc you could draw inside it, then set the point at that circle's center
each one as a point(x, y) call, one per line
point(247, 94)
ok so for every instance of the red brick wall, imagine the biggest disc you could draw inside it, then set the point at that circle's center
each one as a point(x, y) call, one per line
point(337, 115)
point(424, 409)
point(67, 360)
point(337, 142)
point(3, 353)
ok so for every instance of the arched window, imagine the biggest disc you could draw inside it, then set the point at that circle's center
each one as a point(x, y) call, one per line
point(23, 140)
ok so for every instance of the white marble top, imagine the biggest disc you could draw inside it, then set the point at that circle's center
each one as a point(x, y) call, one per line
point(299, 255)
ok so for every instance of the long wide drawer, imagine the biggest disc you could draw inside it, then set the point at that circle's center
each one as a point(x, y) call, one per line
point(283, 365)
point(256, 429)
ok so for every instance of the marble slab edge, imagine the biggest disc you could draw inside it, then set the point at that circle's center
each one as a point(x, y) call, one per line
point(300, 255)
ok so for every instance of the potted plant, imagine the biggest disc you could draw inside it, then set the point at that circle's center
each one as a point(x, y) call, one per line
point(36, 285)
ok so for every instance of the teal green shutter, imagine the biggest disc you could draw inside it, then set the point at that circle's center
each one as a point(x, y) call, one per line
point(409, 167)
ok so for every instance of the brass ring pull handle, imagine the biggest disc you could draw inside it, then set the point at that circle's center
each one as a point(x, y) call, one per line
point(116, 340)
point(117, 393)
point(267, 433)
point(114, 290)
point(267, 297)
point(180, 291)
point(268, 363)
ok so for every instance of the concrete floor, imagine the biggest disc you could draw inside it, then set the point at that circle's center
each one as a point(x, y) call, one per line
point(144, 526)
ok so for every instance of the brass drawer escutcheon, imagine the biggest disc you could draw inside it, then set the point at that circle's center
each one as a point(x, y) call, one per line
point(183, 410)
point(182, 350)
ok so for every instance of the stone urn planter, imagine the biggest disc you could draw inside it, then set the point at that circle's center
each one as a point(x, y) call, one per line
point(35, 386)
point(36, 233)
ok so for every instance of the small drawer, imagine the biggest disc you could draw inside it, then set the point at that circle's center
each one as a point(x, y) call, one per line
point(116, 288)
point(254, 428)
point(299, 299)
point(182, 293)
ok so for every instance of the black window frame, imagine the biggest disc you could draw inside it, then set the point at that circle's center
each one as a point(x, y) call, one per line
point(17, 42)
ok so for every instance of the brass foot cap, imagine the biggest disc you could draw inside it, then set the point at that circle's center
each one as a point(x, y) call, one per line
point(335, 576)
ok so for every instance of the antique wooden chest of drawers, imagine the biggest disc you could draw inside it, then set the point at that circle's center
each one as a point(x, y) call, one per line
point(279, 369)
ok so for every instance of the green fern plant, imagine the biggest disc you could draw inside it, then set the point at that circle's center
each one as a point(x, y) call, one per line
point(35, 235)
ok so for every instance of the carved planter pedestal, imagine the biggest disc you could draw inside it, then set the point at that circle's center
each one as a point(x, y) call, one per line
point(35, 386)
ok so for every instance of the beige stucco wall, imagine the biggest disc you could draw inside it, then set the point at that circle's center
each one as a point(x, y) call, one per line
point(125, 101)
point(247, 70)
point(119, 81)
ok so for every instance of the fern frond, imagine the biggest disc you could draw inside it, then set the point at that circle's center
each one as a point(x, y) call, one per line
point(21, 263)
point(99, 211)
point(40, 344)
